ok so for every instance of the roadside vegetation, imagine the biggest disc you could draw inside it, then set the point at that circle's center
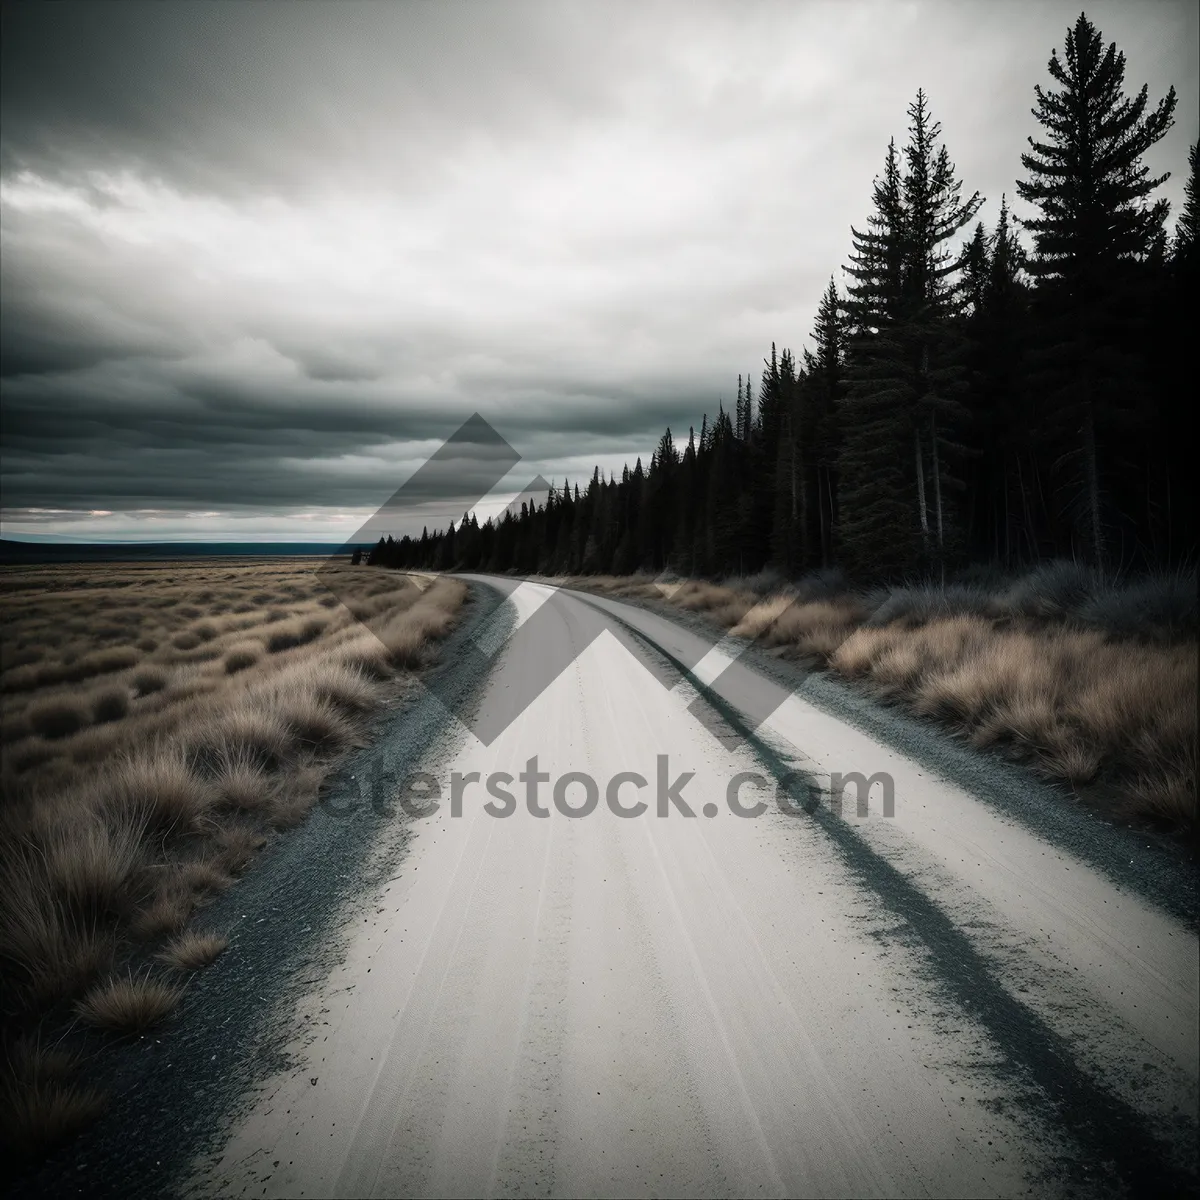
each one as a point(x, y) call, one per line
point(160, 724)
point(1091, 682)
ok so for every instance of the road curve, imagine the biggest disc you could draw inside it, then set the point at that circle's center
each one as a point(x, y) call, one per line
point(804, 1003)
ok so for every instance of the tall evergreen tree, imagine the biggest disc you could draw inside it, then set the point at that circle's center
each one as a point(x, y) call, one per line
point(825, 372)
point(906, 371)
point(788, 532)
point(1187, 228)
point(1095, 226)
point(876, 524)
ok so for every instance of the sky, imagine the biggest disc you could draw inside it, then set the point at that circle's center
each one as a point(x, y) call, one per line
point(258, 261)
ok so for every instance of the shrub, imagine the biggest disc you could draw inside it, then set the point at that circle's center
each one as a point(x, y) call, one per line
point(185, 640)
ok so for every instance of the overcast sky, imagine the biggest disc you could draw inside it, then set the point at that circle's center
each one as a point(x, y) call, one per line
point(259, 260)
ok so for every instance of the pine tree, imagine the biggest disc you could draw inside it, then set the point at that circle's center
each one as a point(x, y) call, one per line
point(935, 213)
point(825, 372)
point(975, 270)
point(1091, 187)
point(1187, 228)
point(876, 527)
point(906, 372)
point(788, 543)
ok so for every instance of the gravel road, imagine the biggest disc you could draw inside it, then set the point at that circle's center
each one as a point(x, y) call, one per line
point(963, 997)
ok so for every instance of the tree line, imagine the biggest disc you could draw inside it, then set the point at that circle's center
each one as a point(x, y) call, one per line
point(966, 399)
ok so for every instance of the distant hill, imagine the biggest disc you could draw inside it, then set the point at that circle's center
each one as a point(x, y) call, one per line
point(51, 552)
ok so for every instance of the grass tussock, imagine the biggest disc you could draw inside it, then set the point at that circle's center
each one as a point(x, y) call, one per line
point(193, 951)
point(166, 912)
point(129, 1004)
point(149, 679)
point(57, 716)
point(159, 787)
point(241, 656)
point(251, 732)
point(236, 844)
point(109, 704)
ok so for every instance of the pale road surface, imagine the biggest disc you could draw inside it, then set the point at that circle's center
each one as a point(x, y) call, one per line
point(935, 1003)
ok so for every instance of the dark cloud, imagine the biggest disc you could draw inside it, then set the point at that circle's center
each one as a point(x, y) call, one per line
point(260, 259)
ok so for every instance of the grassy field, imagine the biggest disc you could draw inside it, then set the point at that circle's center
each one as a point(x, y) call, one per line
point(1091, 683)
point(161, 722)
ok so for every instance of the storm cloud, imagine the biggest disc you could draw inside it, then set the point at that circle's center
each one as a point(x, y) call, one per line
point(259, 260)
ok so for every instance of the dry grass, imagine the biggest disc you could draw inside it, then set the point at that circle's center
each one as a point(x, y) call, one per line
point(109, 704)
point(129, 1004)
point(241, 656)
point(158, 786)
point(166, 913)
point(40, 1105)
point(1028, 673)
point(193, 950)
point(149, 679)
point(236, 844)
point(57, 716)
point(92, 865)
point(130, 802)
point(241, 782)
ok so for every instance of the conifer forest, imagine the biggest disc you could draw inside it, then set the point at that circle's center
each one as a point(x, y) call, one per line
point(970, 396)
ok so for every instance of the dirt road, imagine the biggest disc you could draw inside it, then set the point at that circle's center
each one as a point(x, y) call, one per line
point(943, 1001)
